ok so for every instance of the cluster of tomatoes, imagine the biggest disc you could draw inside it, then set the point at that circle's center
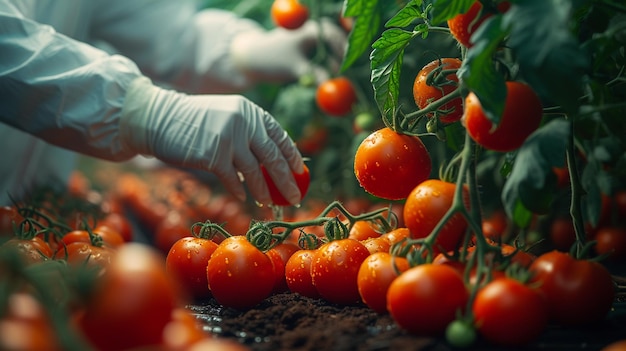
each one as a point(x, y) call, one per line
point(74, 278)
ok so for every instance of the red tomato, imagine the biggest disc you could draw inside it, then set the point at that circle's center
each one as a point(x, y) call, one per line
point(334, 269)
point(462, 26)
point(182, 331)
point(362, 230)
point(171, 229)
point(336, 96)
point(132, 302)
point(10, 219)
point(424, 208)
point(379, 244)
point(312, 140)
point(389, 165)
point(25, 325)
point(187, 261)
point(32, 251)
point(522, 116)
point(280, 254)
point(109, 235)
point(509, 313)
point(289, 14)
point(374, 277)
point(81, 253)
point(611, 240)
point(298, 274)
point(619, 199)
point(239, 274)
point(577, 291)
point(427, 90)
point(120, 223)
point(562, 233)
point(302, 181)
point(619, 345)
point(426, 298)
point(495, 225)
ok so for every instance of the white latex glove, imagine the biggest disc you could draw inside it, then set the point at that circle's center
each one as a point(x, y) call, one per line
point(282, 54)
point(223, 134)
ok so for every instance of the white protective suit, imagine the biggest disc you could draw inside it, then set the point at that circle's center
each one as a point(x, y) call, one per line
point(60, 95)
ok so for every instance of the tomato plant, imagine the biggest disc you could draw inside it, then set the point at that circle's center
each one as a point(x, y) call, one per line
point(336, 96)
point(389, 165)
point(302, 181)
point(374, 277)
point(521, 116)
point(426, 205)
point(334, 269)
point(426, 298)
point(509, 313)
point(577, 291)
point(433, 82)
point(289, 14)
point(239, 274)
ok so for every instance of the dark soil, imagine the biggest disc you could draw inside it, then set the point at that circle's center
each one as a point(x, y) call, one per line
point(292, 322)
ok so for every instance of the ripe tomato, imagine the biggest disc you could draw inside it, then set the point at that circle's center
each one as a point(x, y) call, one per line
point(426, 91)
point(389, 164)
point(279, 255)
point(374, 277)
point(562, 233)
point(522, 116)
point(187, 261)
point(425, 207)
point(10, 219)
point(289, 14)
point(577, 291)
point(171, 229)
point(25, 325)
point(32, 251)
point(334, 269)
point(302, 181)
point(619, 345)
point(611, 240)
point(182, 331)
point(239, 274)
point(362, 230)
point(80, 253)
point(426, 298)
point(379, 244)
point(462, 26)
point(336, 96)
point(132, 302)
point(509, 313)
point(120, 223)
point(298, 274)
point(313, 139)
point(495, 225)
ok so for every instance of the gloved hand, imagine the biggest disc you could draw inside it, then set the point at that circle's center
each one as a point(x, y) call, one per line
point(282, 54)
point(224, 134)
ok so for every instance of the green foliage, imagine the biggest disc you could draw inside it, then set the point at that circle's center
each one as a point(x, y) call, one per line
point(531, 183)
point(367, 19)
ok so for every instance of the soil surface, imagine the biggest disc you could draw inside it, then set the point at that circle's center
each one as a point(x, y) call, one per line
point(289, 321)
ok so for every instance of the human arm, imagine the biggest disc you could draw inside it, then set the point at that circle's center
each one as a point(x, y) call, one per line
point(80, 98)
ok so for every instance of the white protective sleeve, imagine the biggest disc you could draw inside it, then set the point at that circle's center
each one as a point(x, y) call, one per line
point(64, 92)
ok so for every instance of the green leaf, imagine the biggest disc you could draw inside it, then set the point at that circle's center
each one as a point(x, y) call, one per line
point(532, 181)
point(386, 64)
point(478, 73)
point(550, 58)
point(446, 9)
point(406, 15)
point(294, 107)
point(367, 19)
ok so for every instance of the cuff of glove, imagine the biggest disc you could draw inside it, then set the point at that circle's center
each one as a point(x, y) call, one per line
point(138, 103)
